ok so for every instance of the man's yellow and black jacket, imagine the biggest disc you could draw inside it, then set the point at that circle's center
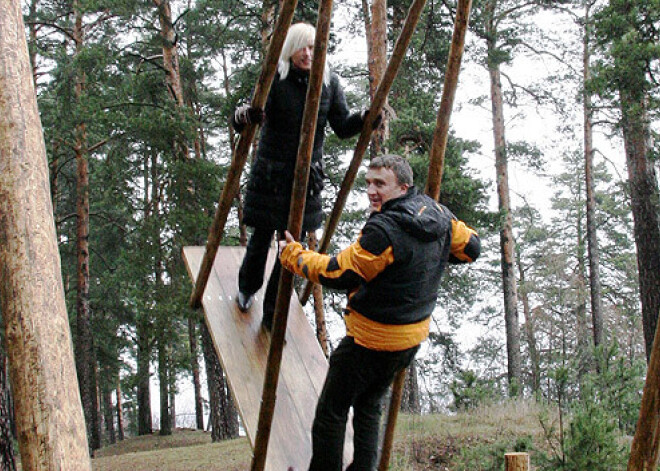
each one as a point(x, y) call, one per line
point(393, 270)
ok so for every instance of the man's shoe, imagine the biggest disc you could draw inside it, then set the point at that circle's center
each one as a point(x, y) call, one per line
point(244, 301)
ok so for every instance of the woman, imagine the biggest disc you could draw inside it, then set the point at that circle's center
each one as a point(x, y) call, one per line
point(269, 188)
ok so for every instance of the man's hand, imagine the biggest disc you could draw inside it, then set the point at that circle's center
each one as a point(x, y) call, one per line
point(283, 243)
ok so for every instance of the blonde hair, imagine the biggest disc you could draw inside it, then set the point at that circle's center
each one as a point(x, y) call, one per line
point(298, 36)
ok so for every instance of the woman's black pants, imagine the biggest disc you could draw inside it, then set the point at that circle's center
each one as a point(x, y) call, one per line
point(251, 274)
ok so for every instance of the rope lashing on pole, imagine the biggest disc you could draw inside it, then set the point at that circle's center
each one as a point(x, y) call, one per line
point(296, 213)
point(436, 164)
point(231, 186)
point(414, 12)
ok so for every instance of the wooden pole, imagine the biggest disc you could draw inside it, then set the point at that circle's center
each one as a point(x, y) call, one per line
point(242, 150)
point(363, 141)
point(395, 405)
point(319, 314)
point(439, 145)
point(644, 448)
point(48, 410)
point(516, 462)
point(436, 163)
point(296, 213)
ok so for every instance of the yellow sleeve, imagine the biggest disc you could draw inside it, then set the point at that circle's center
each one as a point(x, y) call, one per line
point(345, 271)
point(465, 243)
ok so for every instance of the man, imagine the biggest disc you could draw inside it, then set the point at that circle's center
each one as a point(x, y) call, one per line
point(392, 273)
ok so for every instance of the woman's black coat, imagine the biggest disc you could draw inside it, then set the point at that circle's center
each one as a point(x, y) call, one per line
point(268, 193)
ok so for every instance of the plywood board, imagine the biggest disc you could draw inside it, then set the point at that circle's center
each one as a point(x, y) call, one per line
point(242, 347)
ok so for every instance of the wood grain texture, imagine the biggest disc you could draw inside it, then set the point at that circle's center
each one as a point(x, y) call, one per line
point(49, 417)
point(242, 347)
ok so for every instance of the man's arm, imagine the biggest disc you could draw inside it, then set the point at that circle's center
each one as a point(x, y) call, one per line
point(360, 262)
point(465, 243)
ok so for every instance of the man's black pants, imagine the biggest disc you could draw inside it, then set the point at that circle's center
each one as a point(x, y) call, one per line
point(357, 377)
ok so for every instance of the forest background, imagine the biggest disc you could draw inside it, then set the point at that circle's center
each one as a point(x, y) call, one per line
point(135, 99)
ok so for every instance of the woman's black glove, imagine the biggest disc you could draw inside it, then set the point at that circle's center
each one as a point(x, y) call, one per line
point(247, 114)
point(377, 120)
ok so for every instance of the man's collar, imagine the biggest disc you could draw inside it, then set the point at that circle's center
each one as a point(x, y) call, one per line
point(412, 191)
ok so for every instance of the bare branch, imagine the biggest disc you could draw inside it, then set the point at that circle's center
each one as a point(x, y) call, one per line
point(56, 27)
point(549, 54)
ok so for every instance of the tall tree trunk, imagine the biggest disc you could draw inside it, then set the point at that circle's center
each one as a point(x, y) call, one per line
point(170, 51)
point(377, 62)
point(32, 45)
point(530, 329)
point(143, 327)
point(583, 344)
point(645, 203)
point(214, 383)
point(108, 415)
point(162, 319)
point(172, 71)
point(267, 23)
point(163, 379)
point(120, 412)
point(172, 398)
point(592, 235)
point(411, 402)
point(54, 176)
point(228, 411)
point(197, 385)
point(85, 358)
point(506, 222)
point(49, 416)
point(7, 461)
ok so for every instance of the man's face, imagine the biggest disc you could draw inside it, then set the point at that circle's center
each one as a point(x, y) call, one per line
point(302, 58)
point(382, 186)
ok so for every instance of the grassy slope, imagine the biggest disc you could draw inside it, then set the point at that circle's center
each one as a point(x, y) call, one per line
point(436, 442)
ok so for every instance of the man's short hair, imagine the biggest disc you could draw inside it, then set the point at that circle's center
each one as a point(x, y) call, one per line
point(399, 166)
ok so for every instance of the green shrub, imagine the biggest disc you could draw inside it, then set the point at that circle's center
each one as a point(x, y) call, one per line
point(590, 443)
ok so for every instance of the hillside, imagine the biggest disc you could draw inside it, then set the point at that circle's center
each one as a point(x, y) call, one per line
point(472, 440)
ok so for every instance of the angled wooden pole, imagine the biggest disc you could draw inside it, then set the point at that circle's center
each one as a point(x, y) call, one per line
point(644, 448)
point(441, 133)
point(296, 213)
point(231, 186)
point(395, 405)
point(48, 410)
point(383, 90)
point(436, 163)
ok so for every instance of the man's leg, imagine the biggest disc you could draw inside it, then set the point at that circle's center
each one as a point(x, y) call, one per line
point(251, 273)
point(340, 388)
point(367, 408)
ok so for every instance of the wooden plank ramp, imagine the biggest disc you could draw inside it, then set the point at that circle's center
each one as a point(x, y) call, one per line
point(242, 346)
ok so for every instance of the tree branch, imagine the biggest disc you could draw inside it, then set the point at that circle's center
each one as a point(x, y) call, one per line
point(64, 31)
